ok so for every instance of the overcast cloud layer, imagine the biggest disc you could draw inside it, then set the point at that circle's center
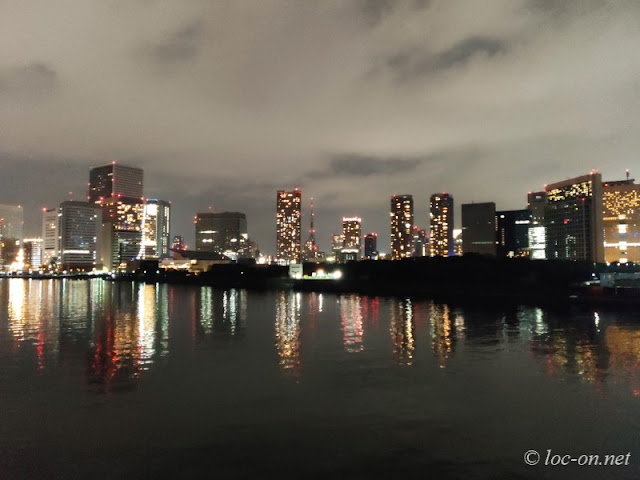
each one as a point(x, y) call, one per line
point(223, 103)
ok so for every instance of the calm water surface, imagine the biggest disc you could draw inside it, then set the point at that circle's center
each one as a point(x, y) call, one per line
point(123, 380)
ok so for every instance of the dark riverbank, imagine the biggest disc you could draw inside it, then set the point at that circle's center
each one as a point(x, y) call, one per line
point(468, 278)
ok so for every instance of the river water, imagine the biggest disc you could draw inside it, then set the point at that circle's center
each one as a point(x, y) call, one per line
point(128, 380)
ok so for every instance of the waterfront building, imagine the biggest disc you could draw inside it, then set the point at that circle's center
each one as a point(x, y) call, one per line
point(621, 221)
point(50, 236)
point(513, 233)
point(371, 246)
point(155, 228)
point(79, 225)
point(401, 213)
point(441, 220)
point(121, 231)
point(479, 228)
point(536, 202)
point(351, 239)
point(222, 232)
point(288, 226)
point(32, 252)
point(113, 180)
point(573, 219)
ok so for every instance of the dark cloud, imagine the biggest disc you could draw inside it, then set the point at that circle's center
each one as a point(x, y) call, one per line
point(415, 62)
point(180, 46)
point(28, 82)
point(365, 165)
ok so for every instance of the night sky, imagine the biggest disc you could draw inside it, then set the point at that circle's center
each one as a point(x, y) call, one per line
point(223, 103)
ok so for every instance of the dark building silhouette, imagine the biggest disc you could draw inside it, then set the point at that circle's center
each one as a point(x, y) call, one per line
point(222, 232)
point(115, 180)
point(371, 246)
point(513, 233)
point(479, 228)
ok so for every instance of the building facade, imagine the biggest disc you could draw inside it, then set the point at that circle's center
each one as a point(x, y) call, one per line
point(351, 238)
point(573, 219)
point(420, 242)
point(113, 180)
point(79, 226)
point(156, 228)
point(536, 202)
point(222, 232)
point(401, 213)
point(50, 236)
point(121, 231)
point(32, 253)
point(289, 226)
point(479, 228)
point(621, 221)
point(441, 230)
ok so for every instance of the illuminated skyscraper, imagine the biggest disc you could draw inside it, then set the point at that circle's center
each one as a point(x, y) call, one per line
point(50, 236)
point(573, 219)
point(79, 224)
point(155, 228)
point(401, 226)
point(621, 216)
point(288, 226)
point(351, 238)
point(441, 231)
point(222, 232)
point(371, 246)
point(537, 232)
point(479, 228)
point(115, 180)
point(121, 233)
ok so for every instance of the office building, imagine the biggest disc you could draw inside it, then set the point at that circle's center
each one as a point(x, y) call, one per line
point(351, 239)
point(114, 180)
point(573, 219)
point(222, 232)
point(441, 230)
point(155, 228)
point(401, 226)
point(479, 228)
point(121, 232)
point(371, 246)
point(289, 226)
point(79, 226)
point(621, 221)
point(32, 253)
point(50, 236)
point(536, 202)
point(513, 233)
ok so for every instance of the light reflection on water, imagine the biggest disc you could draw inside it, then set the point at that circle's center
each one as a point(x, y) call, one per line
point(127, 329)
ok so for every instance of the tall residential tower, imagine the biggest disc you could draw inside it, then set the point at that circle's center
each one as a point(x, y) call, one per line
point(288, 226)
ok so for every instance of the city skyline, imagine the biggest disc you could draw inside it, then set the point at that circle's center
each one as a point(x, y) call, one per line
point(349, 101)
